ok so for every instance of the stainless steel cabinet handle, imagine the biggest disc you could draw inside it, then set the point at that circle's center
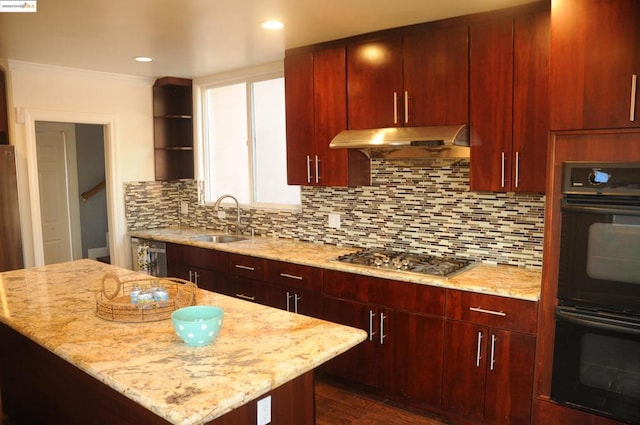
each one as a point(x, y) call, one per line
point(502, 182)
point(288, 298)
point(632, 106)
point(240, 266)
point(493, 352)
point(246, 297)
point(395, 107)
point(193, 277)
point(517, 179)
point(382, 335)
point(406, 107)
point(482, 310)
point(296, 298)
point(478, 352)
point(371, 333)
point(291, 276)
point(308, 169)
point(317, 170)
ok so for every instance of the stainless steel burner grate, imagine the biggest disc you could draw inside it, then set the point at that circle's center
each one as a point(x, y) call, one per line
point(416, 263)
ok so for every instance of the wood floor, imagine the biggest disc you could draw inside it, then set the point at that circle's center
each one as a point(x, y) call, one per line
point(338, 406)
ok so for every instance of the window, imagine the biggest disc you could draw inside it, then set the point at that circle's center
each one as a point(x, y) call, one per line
point(244, 142)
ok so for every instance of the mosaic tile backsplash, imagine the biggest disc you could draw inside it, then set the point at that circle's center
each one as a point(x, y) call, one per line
point(421, 210)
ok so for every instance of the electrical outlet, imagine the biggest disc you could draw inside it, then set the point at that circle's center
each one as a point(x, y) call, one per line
point(184, 208)
point(222, 215)
point(334, 220)
point(264, 411)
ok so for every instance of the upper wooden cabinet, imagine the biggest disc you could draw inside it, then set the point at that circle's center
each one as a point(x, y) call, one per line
point(418, 78)
point(509, 60)
point(316, 110)
point(173, 128)
point(595, 64)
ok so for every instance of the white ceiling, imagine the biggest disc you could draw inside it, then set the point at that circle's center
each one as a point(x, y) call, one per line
point(195, 38)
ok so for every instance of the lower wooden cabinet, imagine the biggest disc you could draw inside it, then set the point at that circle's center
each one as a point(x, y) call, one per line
point(206, 268)
point(247, 279)
point(295, 288)
point(488, 369)
point(402, 357)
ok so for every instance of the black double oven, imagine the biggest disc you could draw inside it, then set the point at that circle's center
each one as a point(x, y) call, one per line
point(596, 363)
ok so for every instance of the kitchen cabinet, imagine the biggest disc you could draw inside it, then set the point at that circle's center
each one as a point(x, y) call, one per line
point(489, 353)
point(247, 279)
point(295, 288)
point(315, 95)
point(509, 65)
point(402, 358)
point(173, 128)
point(206, 268)
point(414, 79)
point(4, 120)
point(594, 64)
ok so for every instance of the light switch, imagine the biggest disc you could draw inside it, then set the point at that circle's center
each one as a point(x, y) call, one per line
point(334, 220)
point(264, 411)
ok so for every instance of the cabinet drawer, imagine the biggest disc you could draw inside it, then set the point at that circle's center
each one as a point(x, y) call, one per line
point(248, 267)
point(247, 289)
point(204, 258)
point(491, 310)
point(389, 293)
point(295, 275)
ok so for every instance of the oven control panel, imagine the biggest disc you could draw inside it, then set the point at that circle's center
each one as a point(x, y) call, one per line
point(601, 178)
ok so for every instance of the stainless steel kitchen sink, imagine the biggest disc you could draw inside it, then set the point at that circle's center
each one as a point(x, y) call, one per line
point(218, 238)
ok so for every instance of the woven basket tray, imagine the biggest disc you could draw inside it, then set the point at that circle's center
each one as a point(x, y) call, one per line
point(114, 301)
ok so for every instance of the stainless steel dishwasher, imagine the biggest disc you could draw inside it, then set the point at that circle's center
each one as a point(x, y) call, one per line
point(149, 256)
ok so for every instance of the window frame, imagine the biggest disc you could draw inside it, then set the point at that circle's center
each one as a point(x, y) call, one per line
point(200, 86)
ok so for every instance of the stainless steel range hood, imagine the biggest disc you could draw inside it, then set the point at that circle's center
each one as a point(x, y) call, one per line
point(409, 144)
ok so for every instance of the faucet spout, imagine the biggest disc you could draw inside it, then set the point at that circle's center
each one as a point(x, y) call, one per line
point(216, 207)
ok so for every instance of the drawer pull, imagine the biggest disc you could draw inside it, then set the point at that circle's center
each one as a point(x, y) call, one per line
point(482, 310)
point(240, 266)
point(246, 297)
point(291, 276)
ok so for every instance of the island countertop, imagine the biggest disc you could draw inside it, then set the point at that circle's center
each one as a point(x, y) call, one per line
point(258, 348)
point(501, 280)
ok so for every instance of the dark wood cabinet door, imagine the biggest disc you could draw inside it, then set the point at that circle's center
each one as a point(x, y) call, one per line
point(295, 300)
point(491, 96)
point(594, 55)
point(530, 102)
point(298, 86)
point(360, 364)
point(436, 76)
point(330, 112)
point(465, 358)
point(411, 362)
point(374, 74)
point(509, 387)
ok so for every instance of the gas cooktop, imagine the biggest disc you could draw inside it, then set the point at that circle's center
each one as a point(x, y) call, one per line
point(407, 262)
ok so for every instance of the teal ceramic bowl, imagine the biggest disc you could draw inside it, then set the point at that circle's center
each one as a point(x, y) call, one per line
point(197, 325)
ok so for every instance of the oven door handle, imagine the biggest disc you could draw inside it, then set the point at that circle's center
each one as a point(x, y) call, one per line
point(601, 209)
point(598, 322)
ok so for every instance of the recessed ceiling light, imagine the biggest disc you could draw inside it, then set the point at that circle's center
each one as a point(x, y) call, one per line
point(272, 25)
point(143, 59)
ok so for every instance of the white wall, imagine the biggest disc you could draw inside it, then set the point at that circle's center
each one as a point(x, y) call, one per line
point(123, 103)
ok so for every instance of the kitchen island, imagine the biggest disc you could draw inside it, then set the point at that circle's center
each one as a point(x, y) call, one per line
point(60, 363)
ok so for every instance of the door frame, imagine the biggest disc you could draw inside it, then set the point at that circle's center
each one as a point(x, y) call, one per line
point(116, 229)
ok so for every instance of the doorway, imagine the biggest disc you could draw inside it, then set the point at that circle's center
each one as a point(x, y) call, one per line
point(73, 201)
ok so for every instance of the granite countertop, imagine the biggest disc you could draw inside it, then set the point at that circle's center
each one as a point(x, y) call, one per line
point(258, 348)
point(508, 281)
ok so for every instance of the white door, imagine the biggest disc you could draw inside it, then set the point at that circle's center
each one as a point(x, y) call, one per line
point(54, 197)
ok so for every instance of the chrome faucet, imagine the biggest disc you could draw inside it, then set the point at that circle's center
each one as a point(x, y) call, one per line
point(216, 207)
